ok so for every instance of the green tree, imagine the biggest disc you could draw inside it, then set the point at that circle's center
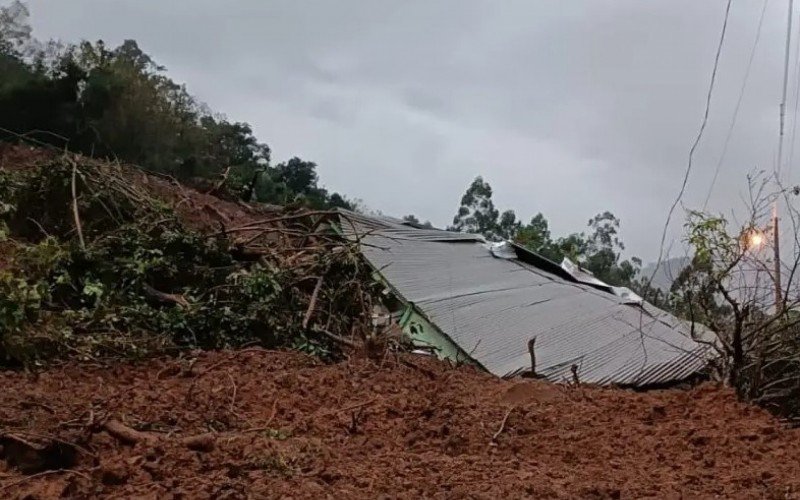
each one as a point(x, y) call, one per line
point(599, 252)
point(298, 175)
point(508, 226)
point(336, 200)
point(535, 235)
point(414, 221)
point(477, 214)
point(604, 250)
point(119, 103)
point(15, 29)
point(694, 295)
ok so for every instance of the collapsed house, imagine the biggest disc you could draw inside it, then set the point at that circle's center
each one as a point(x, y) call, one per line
point(512, 312)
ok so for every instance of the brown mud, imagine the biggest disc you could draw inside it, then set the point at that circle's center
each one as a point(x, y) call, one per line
point(265, 424)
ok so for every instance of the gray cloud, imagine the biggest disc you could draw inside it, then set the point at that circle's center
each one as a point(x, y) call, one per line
point(567, 108)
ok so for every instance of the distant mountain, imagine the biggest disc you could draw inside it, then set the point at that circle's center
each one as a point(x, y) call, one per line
point(667, 272)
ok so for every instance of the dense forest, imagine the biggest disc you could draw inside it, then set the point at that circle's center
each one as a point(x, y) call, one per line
point(118, 103)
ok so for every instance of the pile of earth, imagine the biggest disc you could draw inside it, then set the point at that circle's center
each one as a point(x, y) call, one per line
point(259, 423)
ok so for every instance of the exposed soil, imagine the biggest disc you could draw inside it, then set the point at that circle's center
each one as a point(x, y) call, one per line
point(21, 157)
point(276, 424)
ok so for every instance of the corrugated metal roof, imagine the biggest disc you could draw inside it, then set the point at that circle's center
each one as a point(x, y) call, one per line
point(363, 225)
point(492, 306)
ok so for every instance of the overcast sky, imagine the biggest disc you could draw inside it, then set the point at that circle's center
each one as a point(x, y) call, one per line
point(566, 108)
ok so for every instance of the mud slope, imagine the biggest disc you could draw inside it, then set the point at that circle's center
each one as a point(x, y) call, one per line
point(274, 424)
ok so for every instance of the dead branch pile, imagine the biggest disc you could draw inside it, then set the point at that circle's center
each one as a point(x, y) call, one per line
point(108, 262)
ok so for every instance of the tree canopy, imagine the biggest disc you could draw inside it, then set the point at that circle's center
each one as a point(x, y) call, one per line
point(477, 214)
point(118, 103)
point(599, 251)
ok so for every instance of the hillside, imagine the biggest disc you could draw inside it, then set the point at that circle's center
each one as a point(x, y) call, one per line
point(667, 272)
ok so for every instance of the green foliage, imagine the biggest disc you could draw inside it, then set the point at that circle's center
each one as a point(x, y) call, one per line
point(144, 282)
point(477, 214)
point(20, 301)
point(535, 235)
point(15, 31)
point(599, 252)
point(712, 243)
point(118, 103)
point(415, 222)
point(295, 182)
point(757, 339)
point(695, 297)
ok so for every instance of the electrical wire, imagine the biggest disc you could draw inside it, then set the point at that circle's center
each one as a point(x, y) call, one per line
point(783, 96)
point(696, 140)
point(794, 115)
point(738, 104)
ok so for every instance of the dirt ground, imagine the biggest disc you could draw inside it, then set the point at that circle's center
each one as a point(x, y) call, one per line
point(260, 424)
point(277, 424)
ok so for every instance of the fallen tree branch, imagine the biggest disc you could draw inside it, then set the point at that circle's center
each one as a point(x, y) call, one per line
point(336, 338)
point(258, 224)
point(357, 405)
point(75, 215)
point(313, 303)
point(128, 435)
point(172, 298)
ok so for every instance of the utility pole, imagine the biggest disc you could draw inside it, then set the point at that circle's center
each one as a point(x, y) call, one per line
point(775, 234)
point(777, 270)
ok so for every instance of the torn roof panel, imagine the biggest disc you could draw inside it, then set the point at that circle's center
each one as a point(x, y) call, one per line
point(492, 306)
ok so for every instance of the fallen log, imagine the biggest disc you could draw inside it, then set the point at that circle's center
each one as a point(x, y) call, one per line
point(128, 435)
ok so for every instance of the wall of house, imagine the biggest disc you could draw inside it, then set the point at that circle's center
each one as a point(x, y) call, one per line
point(426, 336)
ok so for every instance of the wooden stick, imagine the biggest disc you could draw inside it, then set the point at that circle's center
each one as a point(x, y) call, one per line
point(200, 442)
point(75, 215)
point(575, 379)
point(219, 184)
point(336, 338)
point(127, 434)
point(502, 425)
point(166, 297)
point(313, 303)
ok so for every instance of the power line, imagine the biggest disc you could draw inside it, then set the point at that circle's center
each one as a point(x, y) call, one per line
point(696, 140)
point(794, 115)
point(785, 85)
point(738, 104)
